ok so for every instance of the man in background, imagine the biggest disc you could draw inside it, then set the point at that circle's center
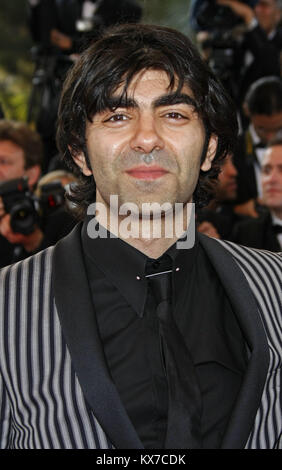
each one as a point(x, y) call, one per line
point(21, 156)
point(259, 51)
point(244, 35)
point(265, 232)
point(263, 106)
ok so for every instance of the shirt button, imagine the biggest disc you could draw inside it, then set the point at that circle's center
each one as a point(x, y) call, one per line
point(156, 264)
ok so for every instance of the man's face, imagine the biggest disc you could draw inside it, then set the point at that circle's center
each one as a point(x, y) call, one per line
point(12, 161)
point(152, 122)
point(268, 14)
point(271, 178)
point(227, 181)
point(267, 126)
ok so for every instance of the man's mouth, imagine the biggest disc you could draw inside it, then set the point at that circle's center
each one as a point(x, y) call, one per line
point(273, 189)
point(147, 172)
point(273, 192)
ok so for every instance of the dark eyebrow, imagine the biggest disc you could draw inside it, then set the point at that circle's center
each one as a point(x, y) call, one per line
point(115, 102)
point(169, 99)
point(174, 98)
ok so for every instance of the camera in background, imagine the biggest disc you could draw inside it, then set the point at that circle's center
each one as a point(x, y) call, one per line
point(27, 210)
point(225, 32)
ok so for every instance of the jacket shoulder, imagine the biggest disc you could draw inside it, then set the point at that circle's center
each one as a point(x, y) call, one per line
point(35, 270)
point(261, 265)
point(247, 255)
point(263, 272)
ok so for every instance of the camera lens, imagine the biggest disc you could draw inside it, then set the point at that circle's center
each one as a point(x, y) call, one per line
point(23, 217)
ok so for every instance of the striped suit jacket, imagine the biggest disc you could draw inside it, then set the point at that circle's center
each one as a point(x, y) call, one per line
point(55, 388)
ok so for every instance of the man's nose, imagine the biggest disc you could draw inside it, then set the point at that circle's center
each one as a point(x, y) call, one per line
point(147, 136)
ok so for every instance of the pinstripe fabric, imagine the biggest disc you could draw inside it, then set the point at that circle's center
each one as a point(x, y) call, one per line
point(41, 402)
point(258, 267)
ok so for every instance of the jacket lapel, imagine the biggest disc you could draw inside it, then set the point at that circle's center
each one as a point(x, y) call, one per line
point(76, 313)
point(246, 310)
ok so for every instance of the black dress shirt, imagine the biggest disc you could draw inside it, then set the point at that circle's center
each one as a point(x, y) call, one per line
point(129, 330)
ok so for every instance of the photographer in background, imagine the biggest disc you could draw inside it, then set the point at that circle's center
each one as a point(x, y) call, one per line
point(21, 157)
point(259, 55)
point(196, 7)
point(244, 38)
point(64, 24)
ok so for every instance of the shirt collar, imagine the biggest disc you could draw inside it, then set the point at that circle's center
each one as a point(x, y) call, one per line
point(126, 267)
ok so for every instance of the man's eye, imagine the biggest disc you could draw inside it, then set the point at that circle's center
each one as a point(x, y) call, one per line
point(116, 118)
point(174, 115)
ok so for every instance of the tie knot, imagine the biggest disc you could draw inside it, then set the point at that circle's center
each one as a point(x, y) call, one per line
point(158, 273)
point(161, 286)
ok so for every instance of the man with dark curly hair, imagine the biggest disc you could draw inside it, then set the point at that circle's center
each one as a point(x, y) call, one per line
point(134, 331)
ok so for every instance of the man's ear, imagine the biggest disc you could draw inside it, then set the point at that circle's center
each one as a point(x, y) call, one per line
point(211, 151)
point(33, 173)
point(80, 161)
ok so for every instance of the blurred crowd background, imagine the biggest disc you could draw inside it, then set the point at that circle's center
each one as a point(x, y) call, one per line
point(16, 42)
point(40, 39)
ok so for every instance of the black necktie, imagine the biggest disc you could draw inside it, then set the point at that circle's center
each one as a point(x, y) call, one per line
point(184, 413)
point(277, 228)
